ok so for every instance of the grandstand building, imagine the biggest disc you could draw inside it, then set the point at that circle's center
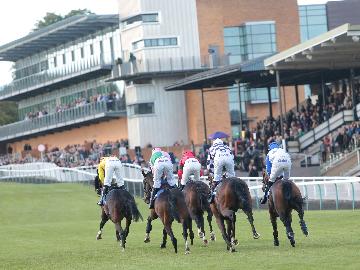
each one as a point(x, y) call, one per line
point(60, 86)
point(167, 39)
point(102, 77)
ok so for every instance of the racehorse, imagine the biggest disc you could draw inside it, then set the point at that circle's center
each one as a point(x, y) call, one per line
point(196, 198)
point(232, 194)
point(285, 196)
point(119, 204)
point(169, 206)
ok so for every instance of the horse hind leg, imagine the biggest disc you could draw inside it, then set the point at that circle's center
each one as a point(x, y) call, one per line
point(170, 232)
point(286, 219)
point(148, 230)
point(275, 231)
point(303, 226)
point(191, 232)
point(104, 219)
point(209, 219)
point(185, 235)
point(250, 218)
point(122, 234)
point(163, 244)
point(199, 219)
point(127, 228)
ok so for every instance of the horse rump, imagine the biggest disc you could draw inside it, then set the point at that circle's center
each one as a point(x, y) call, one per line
point(289, 195)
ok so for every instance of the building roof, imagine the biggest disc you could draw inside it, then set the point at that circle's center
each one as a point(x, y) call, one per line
point(220, 77)
point(327, 57)
point(58, 33)
point(334, 50)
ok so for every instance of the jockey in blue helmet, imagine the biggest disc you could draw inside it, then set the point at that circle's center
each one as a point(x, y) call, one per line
point(278, 162)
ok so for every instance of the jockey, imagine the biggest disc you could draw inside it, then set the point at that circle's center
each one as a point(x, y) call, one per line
point(278, 163)
point(160, 164)
point(188, 165)
point(107, 167)
point(219, 156)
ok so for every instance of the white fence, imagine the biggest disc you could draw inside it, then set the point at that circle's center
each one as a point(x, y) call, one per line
point(336, 189)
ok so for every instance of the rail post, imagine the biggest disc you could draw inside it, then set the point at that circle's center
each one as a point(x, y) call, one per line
point(320, 195)
point(337, 197)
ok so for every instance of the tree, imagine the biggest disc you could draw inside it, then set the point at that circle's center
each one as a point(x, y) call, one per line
point(51, 17)
point(8, 112)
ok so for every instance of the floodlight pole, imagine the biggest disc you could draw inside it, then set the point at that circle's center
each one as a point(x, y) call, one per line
point(270, 102)
point(240, 113)
point(352, 75)
point(203, 112)
point(280, 108)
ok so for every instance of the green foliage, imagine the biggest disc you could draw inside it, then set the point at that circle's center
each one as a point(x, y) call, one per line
point(8, 112)
point(53, 226)
point(51, 17)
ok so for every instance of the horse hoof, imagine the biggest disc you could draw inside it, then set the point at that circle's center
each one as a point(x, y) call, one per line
point(98, 237)
point(212, 236)
point(201, 234)
point(123, 249)
point(232, 249)
point(163, 246)
point(235, 242)
point(147, 240)
point(187, 252)
point(206, 242)
point(276, 243)
point(256, 235)
point(306, 233)
point(292, 243)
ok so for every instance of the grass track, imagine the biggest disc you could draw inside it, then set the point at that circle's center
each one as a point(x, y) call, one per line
point(54, 227)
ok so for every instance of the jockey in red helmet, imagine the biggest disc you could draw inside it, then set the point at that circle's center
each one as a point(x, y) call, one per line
point(189, 165)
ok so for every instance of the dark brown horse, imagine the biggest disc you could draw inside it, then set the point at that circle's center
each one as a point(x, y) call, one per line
point(285, 196)
point(232, 194)
point(120, 204)
point(196, 198)
point(169, 206)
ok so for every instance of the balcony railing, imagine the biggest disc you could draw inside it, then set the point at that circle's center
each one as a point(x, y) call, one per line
point(170, 64)
point(55, 75)
point(68, 117)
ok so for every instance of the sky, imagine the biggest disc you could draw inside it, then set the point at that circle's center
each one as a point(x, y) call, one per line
point(18, 17)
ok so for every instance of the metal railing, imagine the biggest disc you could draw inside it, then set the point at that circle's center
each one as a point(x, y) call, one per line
point(325, 128)
point(318, 190)
point(51, 76)
point(60, 119)
point(168, 64)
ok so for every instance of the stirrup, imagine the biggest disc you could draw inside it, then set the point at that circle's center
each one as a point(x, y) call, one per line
point(263, 200)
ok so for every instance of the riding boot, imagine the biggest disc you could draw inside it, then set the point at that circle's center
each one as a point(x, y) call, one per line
point(266, 192)
point(181, 187)
point(212, 191)
point(103, 195)
point(152, 198)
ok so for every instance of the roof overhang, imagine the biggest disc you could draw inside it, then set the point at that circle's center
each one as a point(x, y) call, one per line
point(221, 76)
point(335, 50)
point(56, 34)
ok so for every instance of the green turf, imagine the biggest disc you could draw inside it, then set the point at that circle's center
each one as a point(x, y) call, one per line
point(54, 227)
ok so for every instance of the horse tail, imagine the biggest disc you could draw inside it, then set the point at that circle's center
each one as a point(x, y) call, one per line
point(287, 190)
point(202, 198)
point(173, 209)
point(135, 213)
point(242, 193)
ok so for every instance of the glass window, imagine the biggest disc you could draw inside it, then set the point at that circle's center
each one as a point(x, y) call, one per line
point(150, 17)
point(173, 41)
point(231, 31)
point(260, 29)
point(317, 20)
point(261, 38)
point(235, 59)
point(231, 41)
point(82, 52)
point(141, 108)
point(233, 50)
point(316, 12)
point(316, 30)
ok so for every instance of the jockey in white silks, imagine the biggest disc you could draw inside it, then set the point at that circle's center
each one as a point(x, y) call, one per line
point(278, 163)
point(160, 164)
point(219, 157)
